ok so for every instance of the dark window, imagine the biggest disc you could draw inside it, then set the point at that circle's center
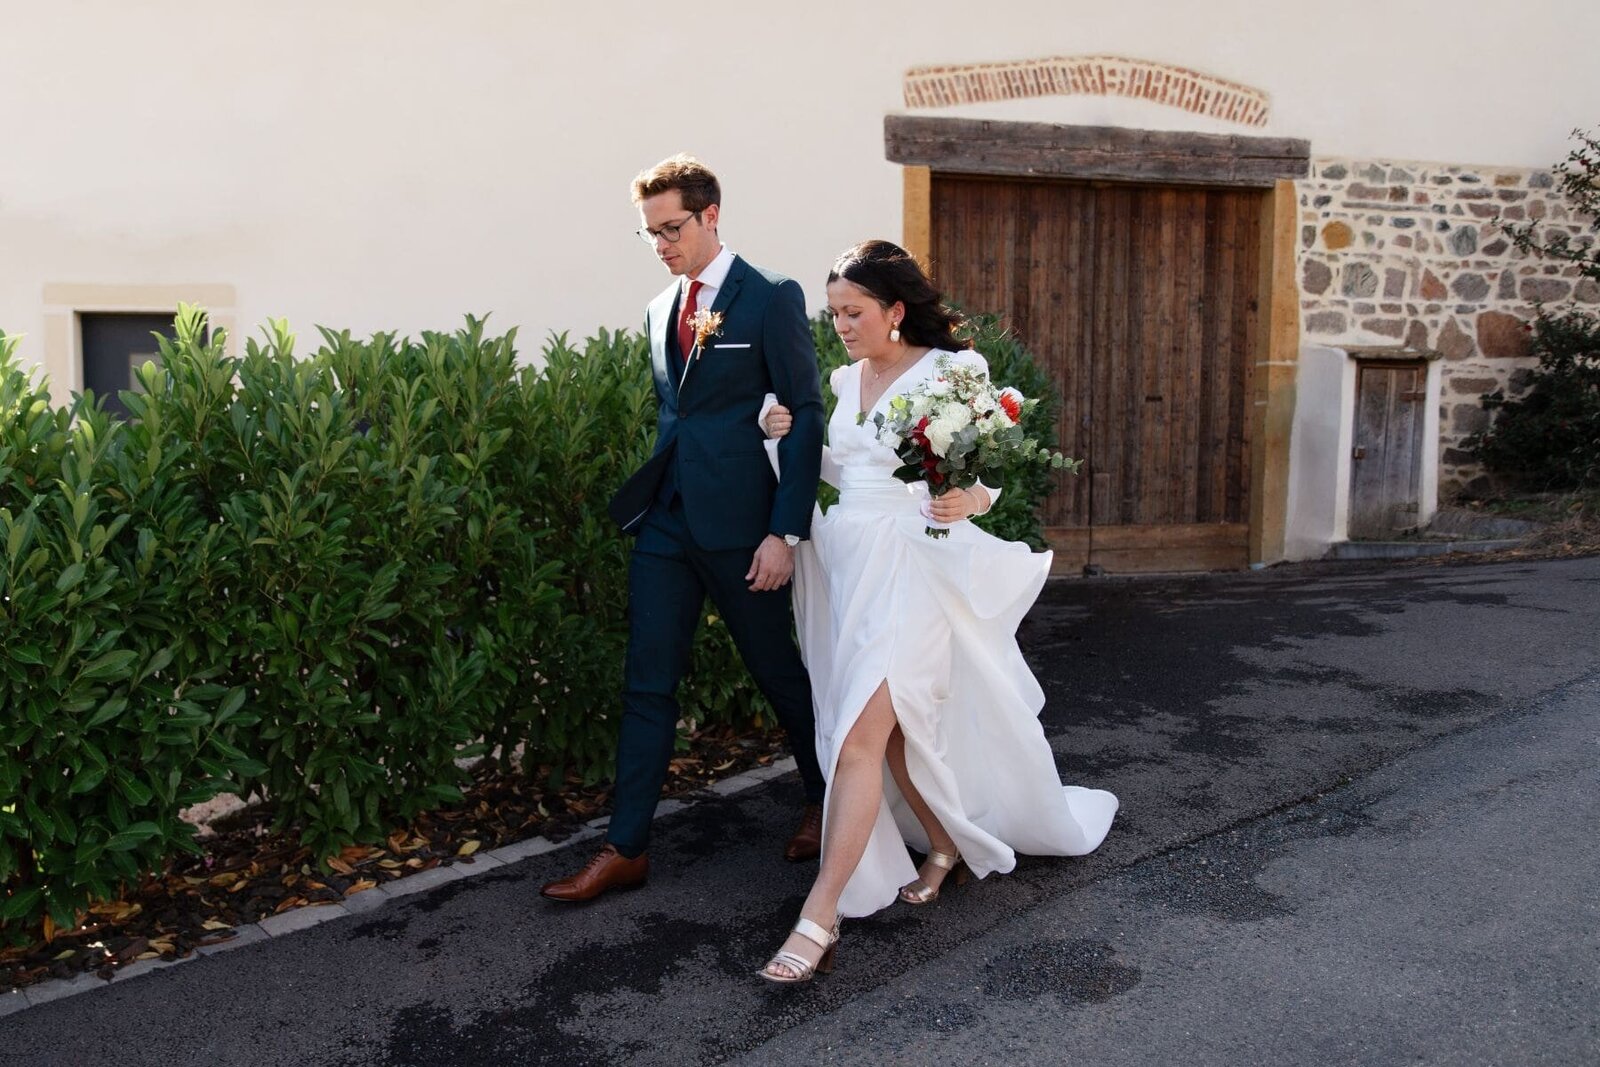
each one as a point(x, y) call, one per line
point(114, 344)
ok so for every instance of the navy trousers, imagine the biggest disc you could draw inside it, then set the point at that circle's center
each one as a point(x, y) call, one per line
point(669, 577)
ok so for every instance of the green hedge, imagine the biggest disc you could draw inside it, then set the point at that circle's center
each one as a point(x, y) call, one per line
point(330, 579)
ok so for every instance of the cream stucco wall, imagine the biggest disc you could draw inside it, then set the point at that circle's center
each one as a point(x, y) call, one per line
point(395, 163)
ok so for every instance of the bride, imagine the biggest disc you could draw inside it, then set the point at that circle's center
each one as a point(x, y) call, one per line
point(910, 643)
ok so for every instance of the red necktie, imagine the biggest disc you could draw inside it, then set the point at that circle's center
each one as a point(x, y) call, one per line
point(686, 322)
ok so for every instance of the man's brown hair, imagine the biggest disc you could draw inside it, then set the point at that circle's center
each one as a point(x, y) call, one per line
point(692, 178)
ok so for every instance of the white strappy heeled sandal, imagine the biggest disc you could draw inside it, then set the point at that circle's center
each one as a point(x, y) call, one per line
point(804, 970)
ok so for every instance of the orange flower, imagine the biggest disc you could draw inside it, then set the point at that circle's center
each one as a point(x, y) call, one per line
point(1012, 408)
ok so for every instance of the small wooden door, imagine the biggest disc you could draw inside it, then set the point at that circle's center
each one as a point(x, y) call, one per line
point(1386, 461)
point(1141, 302)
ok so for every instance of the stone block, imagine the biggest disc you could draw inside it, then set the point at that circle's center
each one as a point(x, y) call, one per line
point(1385, 327)
point(242, 936)
point(1545, 289)
point(56, 989)
point(478, 863)
point(1325, 322)
point(1431, 287)
point(1358, 279)
point(295, 919)
point(1502, 336)
point(1468, 418)
point(521, 850)
point(1454, 343)
point(1315, 277)
point(1394, 284)
point(365, 901)
point(1337, 235)
point(134, 970)
point(1474, 386)
point(1464, 240)
point(420, 882)
point(1587, 291)
point(1470, 286)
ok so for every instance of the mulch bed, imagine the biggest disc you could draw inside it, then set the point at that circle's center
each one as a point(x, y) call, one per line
point(248, 872)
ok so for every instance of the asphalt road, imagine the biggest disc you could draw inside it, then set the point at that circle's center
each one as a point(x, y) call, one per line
point(1357, 827)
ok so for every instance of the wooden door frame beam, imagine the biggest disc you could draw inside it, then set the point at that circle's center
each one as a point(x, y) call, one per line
point(1092, 153)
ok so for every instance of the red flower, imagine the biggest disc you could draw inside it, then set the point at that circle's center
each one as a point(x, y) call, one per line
point(1012, 408)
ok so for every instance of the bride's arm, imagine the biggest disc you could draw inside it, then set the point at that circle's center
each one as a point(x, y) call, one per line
point(780, 426)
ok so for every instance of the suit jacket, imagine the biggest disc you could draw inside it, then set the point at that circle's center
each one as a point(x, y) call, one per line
point(707, 436)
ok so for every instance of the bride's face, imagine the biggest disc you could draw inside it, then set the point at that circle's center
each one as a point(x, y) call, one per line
point(861, 322)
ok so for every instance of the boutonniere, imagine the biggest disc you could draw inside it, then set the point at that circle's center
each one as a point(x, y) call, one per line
point(707, 324)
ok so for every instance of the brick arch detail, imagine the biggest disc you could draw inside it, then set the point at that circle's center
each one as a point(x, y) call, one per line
point(1140, 79)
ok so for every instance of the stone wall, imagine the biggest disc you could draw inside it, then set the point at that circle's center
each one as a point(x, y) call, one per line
point(1411, 254)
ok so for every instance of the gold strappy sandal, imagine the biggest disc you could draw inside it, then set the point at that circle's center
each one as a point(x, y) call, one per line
point(920, 892)
point(804, 969)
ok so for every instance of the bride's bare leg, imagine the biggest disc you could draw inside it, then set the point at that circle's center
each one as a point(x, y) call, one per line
point(938, 838)
point(855, 795)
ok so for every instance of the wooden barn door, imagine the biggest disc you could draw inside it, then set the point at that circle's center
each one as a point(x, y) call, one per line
point(1142, 303)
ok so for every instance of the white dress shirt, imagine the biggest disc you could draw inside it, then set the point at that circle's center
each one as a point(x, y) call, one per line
point(710, 279)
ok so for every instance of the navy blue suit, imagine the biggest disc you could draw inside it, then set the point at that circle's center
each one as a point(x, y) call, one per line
point(700, 506)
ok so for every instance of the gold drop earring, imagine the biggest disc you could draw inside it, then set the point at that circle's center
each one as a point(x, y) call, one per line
point(894, 333)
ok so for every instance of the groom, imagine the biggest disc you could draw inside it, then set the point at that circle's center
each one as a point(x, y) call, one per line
point(709, 515)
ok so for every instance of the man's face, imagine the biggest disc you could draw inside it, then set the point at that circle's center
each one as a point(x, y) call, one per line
point(697, 244)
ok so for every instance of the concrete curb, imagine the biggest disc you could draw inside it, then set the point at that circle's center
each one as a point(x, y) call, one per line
point(1414, 549)
point(295, 920)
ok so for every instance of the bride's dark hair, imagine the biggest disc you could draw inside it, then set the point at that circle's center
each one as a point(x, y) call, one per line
point(888, 273)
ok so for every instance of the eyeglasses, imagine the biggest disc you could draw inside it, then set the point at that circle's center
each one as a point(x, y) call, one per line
point(671, 230)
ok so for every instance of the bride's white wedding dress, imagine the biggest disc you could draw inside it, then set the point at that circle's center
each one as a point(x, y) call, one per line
point(876, 598)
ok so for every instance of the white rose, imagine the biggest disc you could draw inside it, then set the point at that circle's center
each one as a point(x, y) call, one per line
point(942, 431)
point(889, 439)
point(938, 387)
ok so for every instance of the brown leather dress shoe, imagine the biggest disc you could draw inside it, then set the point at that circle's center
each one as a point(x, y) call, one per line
point(806, 844)
point(609, 869)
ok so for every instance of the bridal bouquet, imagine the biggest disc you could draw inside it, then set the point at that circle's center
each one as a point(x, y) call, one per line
point(956, 428)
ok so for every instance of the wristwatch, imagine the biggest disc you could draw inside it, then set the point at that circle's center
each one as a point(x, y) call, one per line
point(792, 539)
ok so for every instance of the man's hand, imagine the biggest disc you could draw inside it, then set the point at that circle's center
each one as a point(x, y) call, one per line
point(772, 566)
point(779, 421)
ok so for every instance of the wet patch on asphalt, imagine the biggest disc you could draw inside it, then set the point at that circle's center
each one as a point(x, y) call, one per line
point(1219, 876)
point(1075, 970)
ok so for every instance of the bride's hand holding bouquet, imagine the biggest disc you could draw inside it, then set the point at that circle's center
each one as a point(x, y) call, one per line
point(957, 428)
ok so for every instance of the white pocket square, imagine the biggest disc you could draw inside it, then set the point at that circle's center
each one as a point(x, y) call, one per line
point(730, 346)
